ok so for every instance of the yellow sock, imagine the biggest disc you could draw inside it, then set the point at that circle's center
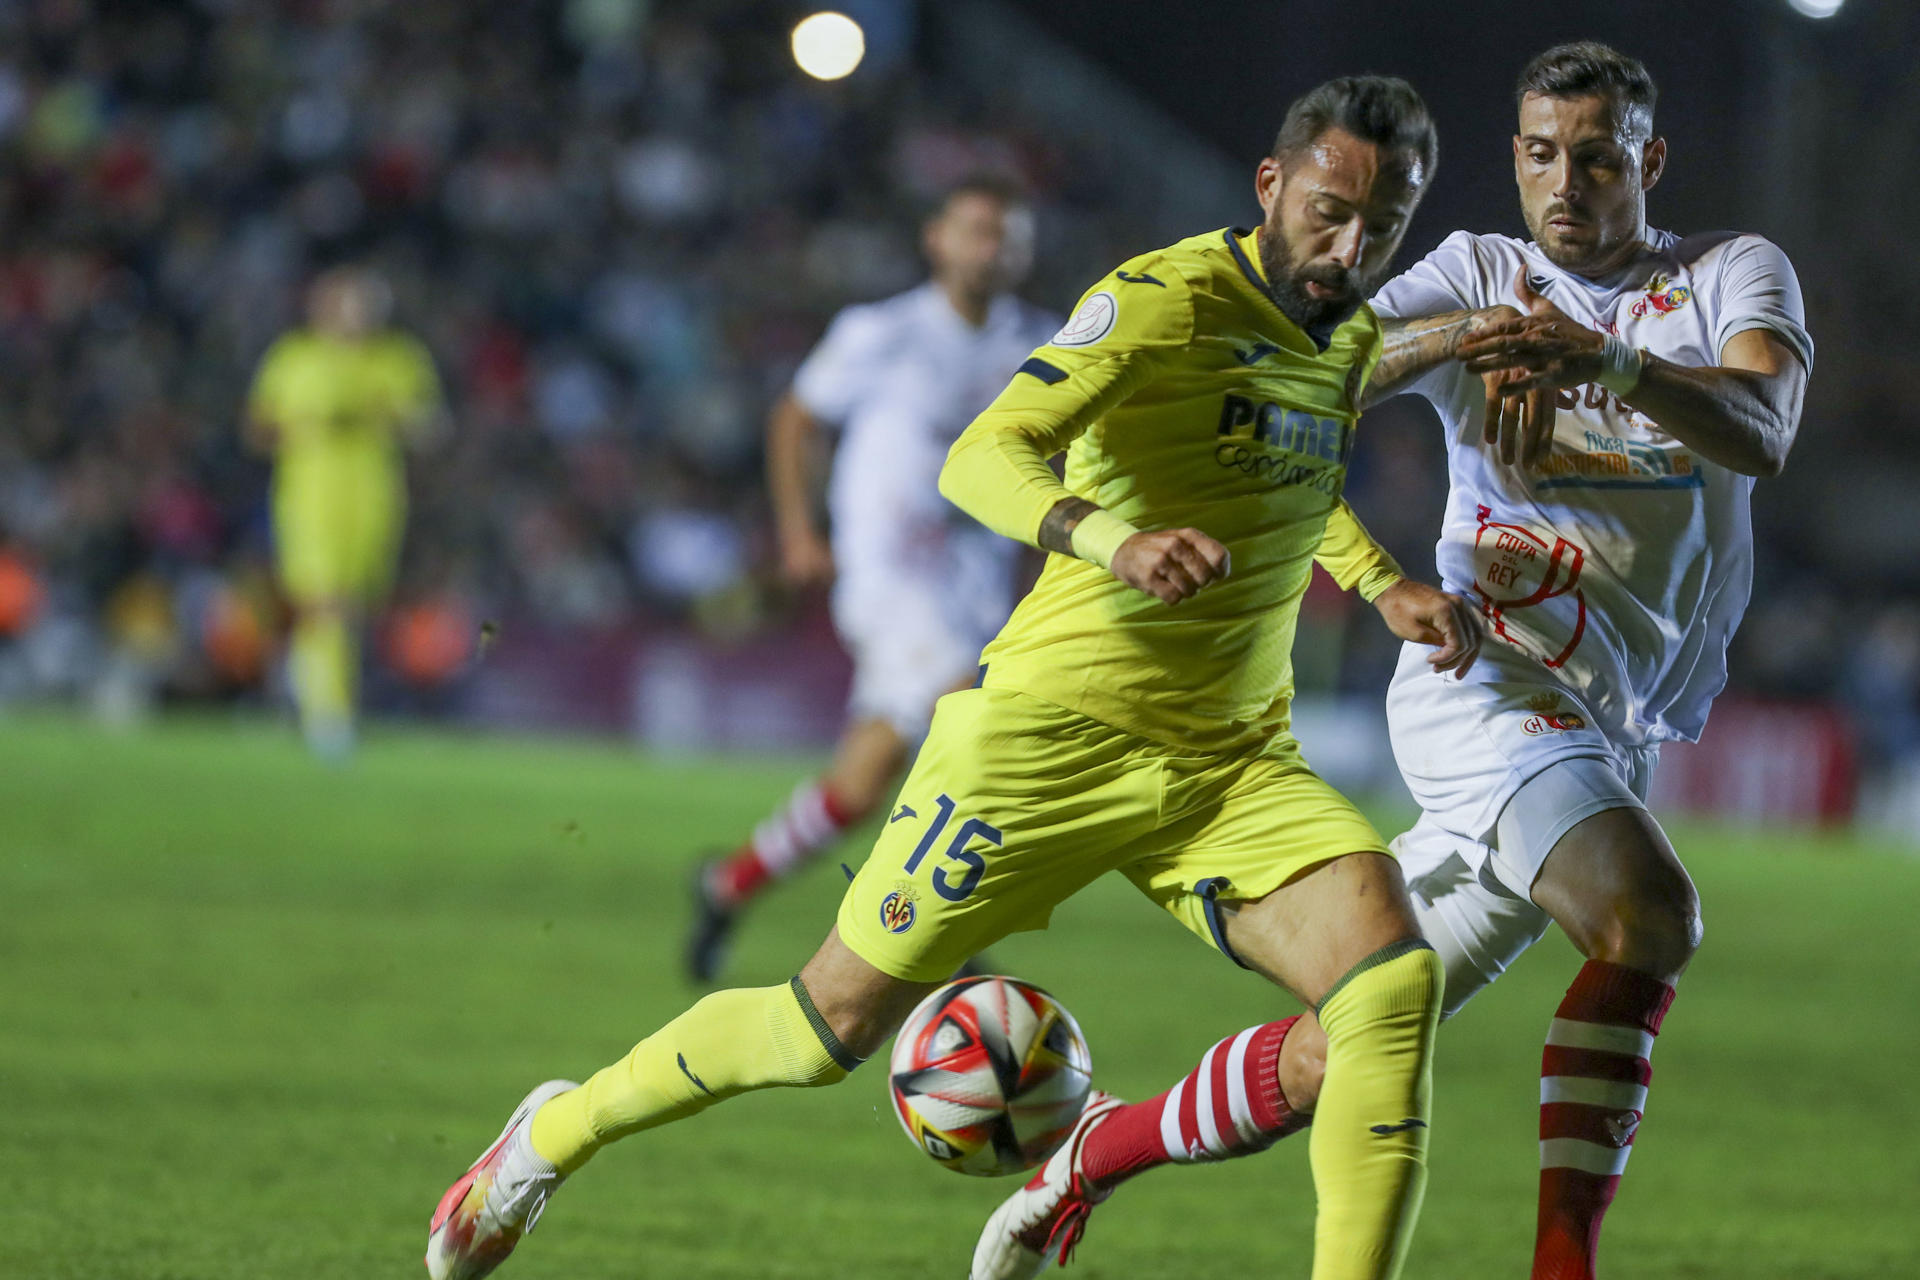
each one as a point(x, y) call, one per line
point(323, 662)
point(1369, 1144)
point(730, 1043)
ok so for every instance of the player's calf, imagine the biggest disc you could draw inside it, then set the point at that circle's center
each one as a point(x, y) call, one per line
point(730, 1043)
point(810, 1031)
point(818, 813)
point(1371, 1122)
point(1230, 1105)
point(809, 820)
point(1621, 894)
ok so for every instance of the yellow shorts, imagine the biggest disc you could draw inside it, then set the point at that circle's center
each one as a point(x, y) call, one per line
point(336, 526)
point(1015, 804)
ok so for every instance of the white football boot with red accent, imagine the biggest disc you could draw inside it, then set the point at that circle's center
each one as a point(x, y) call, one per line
point(496, 1201)
point(1042, 1221)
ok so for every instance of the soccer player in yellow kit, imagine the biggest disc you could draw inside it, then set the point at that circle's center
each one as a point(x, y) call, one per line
point(335, 403)
point(1132, 717)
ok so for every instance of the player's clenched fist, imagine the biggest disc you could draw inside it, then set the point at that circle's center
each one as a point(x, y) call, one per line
point(1170, 564)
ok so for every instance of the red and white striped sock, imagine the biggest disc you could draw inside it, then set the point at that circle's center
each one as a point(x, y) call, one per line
point(811, 819)
point(1231, 1105)
point(1593, 1093)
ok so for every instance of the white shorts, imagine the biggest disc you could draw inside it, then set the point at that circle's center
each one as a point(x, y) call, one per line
point(1502, 770)
point(908, 651)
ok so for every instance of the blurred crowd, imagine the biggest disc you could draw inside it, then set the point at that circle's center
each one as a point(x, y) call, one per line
point(617, 224)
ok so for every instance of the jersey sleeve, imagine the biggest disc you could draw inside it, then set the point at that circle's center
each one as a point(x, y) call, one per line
point(1108, 349)
point(1759, 290)
point(1356, 561)
point(835, 374)
point(1448, 279)
point(1444, 280)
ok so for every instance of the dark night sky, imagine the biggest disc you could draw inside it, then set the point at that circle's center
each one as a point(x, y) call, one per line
point(1229, 73)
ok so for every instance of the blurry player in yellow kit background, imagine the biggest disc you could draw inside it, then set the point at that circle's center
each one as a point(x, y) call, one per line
point(335, 403)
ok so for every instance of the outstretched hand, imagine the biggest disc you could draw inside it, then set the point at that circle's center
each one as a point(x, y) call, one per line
point(1427, 615)
point(1170, 564)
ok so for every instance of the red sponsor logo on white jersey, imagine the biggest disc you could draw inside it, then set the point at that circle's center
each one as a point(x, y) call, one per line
point(1516, 568)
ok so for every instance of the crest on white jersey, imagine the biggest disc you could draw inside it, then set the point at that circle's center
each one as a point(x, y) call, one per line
point(1517, 568)
point(1092, 322)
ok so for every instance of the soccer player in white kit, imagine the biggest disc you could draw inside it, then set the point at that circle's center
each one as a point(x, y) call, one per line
point(1609, 393)
point(918, 588)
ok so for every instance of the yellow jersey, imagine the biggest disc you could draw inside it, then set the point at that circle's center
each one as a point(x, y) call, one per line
point(1183, 397)
point(327, 397)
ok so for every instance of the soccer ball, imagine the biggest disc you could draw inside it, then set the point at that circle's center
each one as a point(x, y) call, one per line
point(989, 1075)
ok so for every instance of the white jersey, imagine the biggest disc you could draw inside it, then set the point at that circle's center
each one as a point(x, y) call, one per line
point(920, 587)
point(1621, 565)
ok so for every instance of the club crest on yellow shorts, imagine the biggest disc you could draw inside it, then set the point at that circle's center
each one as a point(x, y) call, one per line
point(898, 909)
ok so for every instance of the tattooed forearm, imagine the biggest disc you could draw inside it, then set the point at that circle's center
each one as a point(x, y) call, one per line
point(1056, 527)
point(1409, 348)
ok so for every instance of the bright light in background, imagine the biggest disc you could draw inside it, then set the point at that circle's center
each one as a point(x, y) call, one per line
point(830, 45)
point(1814, 8)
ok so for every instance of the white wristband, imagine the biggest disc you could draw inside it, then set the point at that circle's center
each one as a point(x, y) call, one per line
point(1620, 365)
point(1098, 536)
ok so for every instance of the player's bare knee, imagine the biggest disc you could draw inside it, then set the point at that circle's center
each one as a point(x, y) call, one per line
point(1666, 915)
point(856, 801)
point(859, 793)
point(1673, 929)
point(1655, 933)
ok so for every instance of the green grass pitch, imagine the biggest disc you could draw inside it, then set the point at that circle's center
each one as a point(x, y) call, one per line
point(255, 1014)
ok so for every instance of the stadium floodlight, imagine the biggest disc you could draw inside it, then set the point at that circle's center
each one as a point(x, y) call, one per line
point(828, 45)
point(1816, 8)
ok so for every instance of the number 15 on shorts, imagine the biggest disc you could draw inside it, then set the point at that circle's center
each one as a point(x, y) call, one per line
point(957, 852)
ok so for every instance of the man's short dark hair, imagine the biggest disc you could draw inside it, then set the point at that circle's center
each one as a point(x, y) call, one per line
point(1383, 110)
point(987, 185)
point(1586, 68)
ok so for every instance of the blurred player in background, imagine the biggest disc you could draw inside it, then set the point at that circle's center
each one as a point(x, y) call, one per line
point(918, 588)
point(1636, 381)
point(1132, 716)
point(335, 403)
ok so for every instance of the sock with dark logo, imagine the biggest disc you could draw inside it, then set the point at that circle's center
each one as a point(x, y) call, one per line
point(730, 1043)
point(1593, 1092)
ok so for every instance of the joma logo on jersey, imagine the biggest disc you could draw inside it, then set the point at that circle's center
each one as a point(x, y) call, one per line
point(1284, 428)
